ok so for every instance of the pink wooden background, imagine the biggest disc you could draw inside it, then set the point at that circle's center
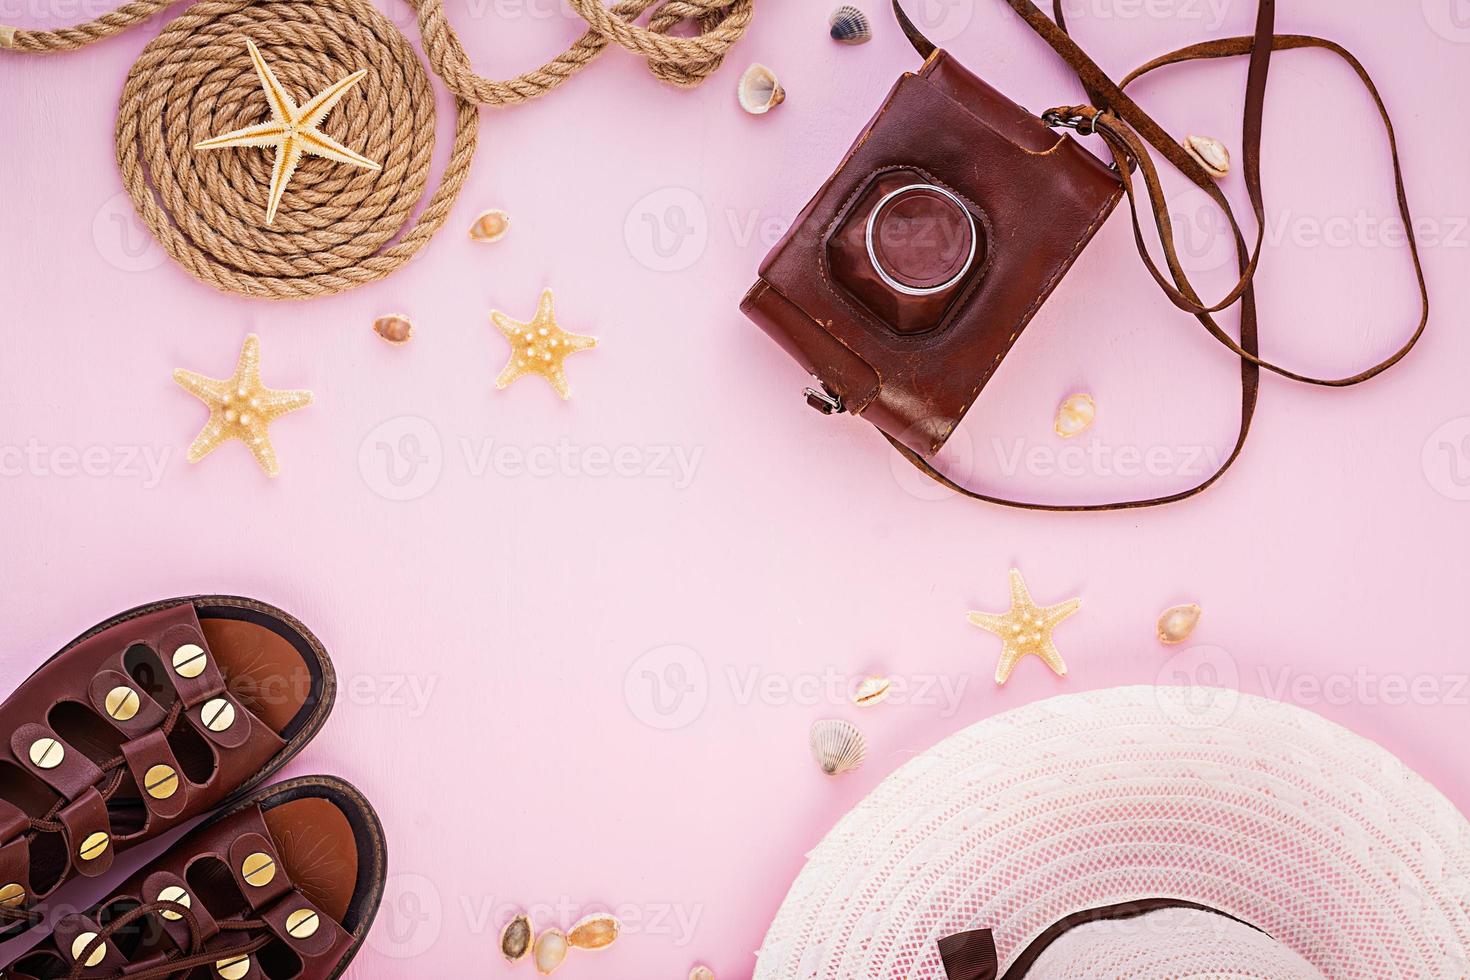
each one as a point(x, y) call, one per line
point(581, 644)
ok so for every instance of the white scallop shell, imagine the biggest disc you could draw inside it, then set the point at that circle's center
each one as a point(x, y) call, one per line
point(1209, 153)
point(837, 746)
point(759, 90)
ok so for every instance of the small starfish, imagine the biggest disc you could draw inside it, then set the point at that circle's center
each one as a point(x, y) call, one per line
point(292, 130)
point(539, 347)
point(240, 407)
point(1025, 628)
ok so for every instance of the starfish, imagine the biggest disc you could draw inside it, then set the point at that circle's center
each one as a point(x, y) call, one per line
point(1025, 628)
point(539, 347)
point(292, 130)
point(240, 407)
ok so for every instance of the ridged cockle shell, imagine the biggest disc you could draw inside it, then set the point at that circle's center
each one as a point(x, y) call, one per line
point(837, 746)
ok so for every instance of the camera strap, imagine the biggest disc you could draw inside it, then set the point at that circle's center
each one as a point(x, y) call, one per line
point(1130, 134)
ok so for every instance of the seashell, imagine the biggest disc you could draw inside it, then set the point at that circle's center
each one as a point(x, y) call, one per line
point(850, 25)
point(595, 931)
point(759, 90)
point(1208, 153)
point(549, 951)
point(1074, 415)
point(837, 746)
point(395, 328)
point(872, 690)
point(1178, 622)
point(516, 938)
point(490, 226)
point(701, 973)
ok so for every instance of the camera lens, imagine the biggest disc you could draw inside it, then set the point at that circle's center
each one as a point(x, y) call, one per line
point(921, 239)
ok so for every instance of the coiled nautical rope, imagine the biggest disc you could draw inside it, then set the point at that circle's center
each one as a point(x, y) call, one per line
point(337, 227)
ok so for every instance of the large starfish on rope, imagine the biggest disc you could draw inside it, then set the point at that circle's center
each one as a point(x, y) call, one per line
point(292, 130)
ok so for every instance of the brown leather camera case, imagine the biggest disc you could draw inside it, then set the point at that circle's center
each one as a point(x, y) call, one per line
point(913, 364)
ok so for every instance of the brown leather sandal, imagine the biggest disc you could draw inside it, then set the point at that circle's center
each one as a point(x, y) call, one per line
point(142, 723)
point(282, 887)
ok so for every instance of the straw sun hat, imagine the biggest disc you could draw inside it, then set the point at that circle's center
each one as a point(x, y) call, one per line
point(1140, 832)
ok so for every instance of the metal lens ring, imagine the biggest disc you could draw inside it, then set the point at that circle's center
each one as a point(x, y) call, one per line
point(887, 277)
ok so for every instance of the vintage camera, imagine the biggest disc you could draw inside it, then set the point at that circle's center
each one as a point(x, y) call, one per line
point(908, 277)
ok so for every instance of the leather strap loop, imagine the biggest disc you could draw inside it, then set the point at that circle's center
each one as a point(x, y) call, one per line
point(209, 717)
point(178, 929)
point(1131, 134)
point(156, 770)
point(66, 935)
point(88, 831)
point(302, 926)
point(135, 713)
point(260, 885)
point(71, 775)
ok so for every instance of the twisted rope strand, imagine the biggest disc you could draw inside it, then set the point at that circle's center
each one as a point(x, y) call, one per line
point(337, 228)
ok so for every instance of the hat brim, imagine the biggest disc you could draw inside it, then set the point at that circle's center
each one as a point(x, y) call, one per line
point(1262, 810)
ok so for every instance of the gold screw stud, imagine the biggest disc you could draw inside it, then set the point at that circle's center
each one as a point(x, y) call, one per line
point(190, 660)
point(233, 968)
point(47, 753)
point(12, 896)
point(218, 715)
point(161, 782)
point(93, 847)
point(79, 946)
point(122, 703)
point(175, 894)
point(303, 924)
point(259, 869)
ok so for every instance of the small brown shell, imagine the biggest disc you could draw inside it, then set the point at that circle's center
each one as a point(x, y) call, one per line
point(490, 226)
point(596, 931)
point(395, 328)
point(549, 951)
point(701, 973)
point(1177, 622)
point(516, 938)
